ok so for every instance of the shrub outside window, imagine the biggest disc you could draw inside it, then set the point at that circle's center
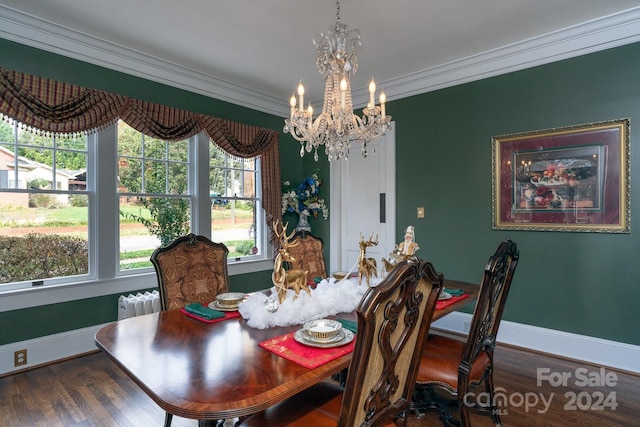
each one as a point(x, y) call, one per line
point(154, 199)
point(44, 206)
point(60, 195)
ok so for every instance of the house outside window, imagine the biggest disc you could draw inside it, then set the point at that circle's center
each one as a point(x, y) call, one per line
point(44, 221)
point(59, 197)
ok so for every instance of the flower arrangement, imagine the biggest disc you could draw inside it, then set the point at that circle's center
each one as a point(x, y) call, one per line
point(304, 198)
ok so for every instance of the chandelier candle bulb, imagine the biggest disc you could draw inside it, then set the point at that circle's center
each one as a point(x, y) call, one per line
point(383, 99)
point(301, 96)
point(292, 103)
point(372, 91)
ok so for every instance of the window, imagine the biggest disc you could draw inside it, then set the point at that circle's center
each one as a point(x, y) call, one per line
point(235, 204)
point(61, 198)
point(154, 198)
point(157, 189)
point(44, 206)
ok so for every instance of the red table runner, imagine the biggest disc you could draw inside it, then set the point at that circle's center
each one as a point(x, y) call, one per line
point(444, 303)
point(310, 357)
point(227, 315)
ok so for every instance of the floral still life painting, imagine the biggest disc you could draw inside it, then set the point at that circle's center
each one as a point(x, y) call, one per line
point(563, 179)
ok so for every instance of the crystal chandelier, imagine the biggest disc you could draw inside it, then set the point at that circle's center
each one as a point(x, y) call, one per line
point(337, 126)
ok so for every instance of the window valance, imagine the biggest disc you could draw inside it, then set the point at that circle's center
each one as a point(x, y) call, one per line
point(55, 107)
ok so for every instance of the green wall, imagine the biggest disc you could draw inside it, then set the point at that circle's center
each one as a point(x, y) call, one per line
point(585, 283)
point(56, 318)
point(576, 282)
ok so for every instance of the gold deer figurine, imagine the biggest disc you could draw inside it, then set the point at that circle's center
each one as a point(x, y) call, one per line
point(366, 266)
point(281, 278)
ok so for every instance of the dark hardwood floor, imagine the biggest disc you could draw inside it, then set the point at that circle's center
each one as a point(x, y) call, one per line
point(91, 391)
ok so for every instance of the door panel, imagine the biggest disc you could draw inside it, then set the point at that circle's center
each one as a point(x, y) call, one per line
point(358, 184)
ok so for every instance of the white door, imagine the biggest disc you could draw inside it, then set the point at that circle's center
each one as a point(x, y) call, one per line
point(363, 201)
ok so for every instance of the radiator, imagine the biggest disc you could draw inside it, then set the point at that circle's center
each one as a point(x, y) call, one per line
point(137, 305)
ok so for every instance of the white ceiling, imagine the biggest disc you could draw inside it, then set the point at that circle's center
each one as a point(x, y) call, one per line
point(254, 52)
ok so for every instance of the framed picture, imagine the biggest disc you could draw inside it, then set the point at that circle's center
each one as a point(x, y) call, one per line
point(565, 179)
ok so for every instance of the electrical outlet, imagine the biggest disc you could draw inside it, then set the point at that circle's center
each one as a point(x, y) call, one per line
point(466, 326)
point(20, 358)
point(420, 212)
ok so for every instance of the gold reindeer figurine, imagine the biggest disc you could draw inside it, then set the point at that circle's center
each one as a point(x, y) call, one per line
point(281, 278)
point(366, 266)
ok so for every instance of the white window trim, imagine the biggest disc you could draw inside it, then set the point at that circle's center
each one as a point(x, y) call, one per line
point(105, 277)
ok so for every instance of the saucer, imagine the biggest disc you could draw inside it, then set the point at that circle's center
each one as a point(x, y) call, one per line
point(345, 337)
point(444, 296)
point(334, 339)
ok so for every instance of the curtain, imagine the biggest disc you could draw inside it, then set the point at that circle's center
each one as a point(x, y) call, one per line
point(52, 107)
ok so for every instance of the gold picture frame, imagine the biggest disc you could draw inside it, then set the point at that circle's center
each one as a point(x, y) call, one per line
point(574, 179)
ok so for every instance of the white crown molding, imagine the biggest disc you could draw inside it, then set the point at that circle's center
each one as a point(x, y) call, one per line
point(592, 36)
point(596, 35)
point(35, 32)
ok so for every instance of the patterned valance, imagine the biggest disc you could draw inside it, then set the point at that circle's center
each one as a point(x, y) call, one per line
point(48, 106)
point(52, 107)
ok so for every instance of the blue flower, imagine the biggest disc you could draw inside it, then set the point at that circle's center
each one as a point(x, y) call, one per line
point(305, 197)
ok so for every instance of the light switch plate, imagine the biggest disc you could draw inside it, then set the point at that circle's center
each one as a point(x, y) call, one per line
point(420, 212)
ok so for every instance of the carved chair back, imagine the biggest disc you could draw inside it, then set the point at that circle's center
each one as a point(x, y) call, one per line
point(393, 323)
point(487, 314)
point(308, 254)
point(190, 269)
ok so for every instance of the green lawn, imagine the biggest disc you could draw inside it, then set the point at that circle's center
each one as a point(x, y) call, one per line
point(73, 216)
point(21, 217)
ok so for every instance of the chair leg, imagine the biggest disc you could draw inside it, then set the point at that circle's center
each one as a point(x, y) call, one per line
point(492, 410)
point(167, 419)
point(465, 421)
point(495, 411)
point(341, 377)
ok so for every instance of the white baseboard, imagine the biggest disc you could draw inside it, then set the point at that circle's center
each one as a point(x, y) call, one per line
point(49, 349)
point(579, 347)
point(590, 350)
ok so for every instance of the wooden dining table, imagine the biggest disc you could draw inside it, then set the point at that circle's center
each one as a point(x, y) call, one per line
point(217, 371)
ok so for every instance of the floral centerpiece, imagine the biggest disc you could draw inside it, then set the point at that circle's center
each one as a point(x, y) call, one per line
point(304, 199)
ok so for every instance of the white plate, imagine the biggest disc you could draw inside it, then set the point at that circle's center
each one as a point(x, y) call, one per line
point(444, 296)
point(303, 338)
point(215, 306)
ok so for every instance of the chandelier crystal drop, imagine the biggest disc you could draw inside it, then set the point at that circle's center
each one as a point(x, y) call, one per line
point(337, 126)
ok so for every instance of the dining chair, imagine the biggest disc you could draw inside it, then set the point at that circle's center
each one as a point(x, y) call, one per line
point(393, 320)
point(451, 369)
point(190, 269)
point(307, 250)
